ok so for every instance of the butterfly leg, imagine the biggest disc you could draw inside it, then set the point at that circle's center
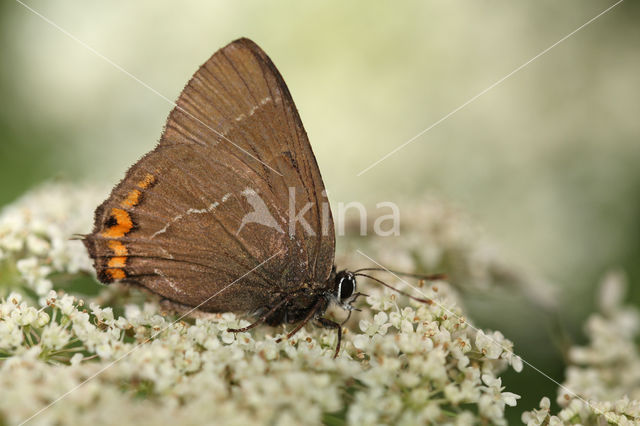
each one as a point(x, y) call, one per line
point(350, 307)
point(327, 323)
point(262, 318)
point(313, 311)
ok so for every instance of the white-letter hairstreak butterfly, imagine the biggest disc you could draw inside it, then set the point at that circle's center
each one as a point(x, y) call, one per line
point(226, 213)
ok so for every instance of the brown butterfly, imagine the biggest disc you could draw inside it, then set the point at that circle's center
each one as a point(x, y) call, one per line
point(205, 219)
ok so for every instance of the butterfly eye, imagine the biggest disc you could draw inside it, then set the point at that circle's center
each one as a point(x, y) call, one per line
point(347, 286)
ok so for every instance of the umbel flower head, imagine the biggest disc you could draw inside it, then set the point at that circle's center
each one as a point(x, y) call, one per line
point(602, 384)
point(70, 359)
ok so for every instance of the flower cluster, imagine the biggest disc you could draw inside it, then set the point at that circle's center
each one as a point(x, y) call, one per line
point(69, 360)
point(603, 379)
point(435, 237)
point(36, 232)
point(408, 365)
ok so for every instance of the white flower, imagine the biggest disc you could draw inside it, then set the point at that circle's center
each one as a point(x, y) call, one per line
point(28, 315)
point(403, 320)
point(104, 315)
point(10, 335)
point(31, 269)
point(66, 304)
point(516, 362)
point(488, 345)
point(382, 301)
point(43, 318)
point(494, 386)
point(537, 417)
point(76, 359)
point(361, 341)
point(54, 336)
point(228, 337)
point(378, 326)
point(37, 245)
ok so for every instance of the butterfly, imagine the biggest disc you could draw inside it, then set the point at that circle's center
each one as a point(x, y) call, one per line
point(229, 212)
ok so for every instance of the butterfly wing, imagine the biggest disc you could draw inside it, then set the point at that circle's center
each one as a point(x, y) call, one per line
point(232, 194)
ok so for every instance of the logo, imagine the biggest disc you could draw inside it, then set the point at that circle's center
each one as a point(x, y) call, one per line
point(384, 224)
point(260, 214)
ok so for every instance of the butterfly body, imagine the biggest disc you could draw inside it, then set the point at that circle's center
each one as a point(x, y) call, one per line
point(228, 213)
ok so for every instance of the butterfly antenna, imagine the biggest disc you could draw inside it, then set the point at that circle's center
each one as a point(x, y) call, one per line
point(404, 293)
point(426, 277)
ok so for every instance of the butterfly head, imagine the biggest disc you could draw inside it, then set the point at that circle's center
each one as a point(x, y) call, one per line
point(344, 290)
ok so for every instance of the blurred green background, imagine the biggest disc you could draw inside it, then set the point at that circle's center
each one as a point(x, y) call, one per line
point(546, 162)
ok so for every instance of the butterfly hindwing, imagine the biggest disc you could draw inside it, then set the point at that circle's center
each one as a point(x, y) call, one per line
point(211, 202)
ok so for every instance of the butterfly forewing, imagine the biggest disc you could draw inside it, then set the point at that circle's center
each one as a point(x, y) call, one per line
point(214, 199)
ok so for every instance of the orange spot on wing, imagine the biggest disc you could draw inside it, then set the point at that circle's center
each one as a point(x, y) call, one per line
point(148, 180)
point(118, 248)
point(115, 274)
point(133, 198)
point(123, 224)
point(117, 262)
